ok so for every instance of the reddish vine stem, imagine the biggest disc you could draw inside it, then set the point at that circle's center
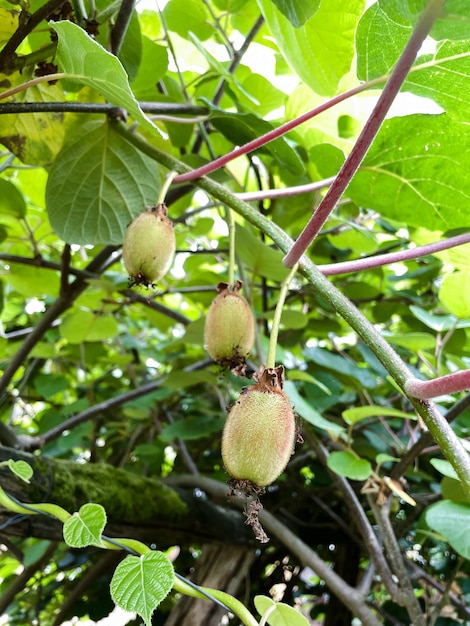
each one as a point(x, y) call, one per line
point(332, 269)
point(272, 134)
point(368, 133)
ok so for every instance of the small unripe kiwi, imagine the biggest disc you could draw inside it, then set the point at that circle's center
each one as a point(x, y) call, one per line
point(229, 330)
point(260, 431)
point(149, 246)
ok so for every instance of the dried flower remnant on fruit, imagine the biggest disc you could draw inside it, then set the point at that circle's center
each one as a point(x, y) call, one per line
point(149, 246)
point(229, 330)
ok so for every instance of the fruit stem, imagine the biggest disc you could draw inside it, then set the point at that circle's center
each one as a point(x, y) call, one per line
point(166, 185)
point(271, 358)
point(231, 245)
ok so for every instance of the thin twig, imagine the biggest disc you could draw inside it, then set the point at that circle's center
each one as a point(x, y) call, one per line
point(26, 24)
point(119, 29)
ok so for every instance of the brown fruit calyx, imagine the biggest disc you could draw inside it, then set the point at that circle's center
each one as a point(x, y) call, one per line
point(229, 330)
point(149, 246)
point(260, 431)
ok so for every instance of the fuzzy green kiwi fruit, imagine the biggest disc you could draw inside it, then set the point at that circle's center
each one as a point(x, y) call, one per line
point(260, 431)
point(229, 330)
point(149, 246)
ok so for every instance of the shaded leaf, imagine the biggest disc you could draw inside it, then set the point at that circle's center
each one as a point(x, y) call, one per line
point(297, 11)
point(348, 465)
point(308, 412)
point(240, 128)
point(97, 185)
point(192, 428)
point(259, 257)
point(452, 520)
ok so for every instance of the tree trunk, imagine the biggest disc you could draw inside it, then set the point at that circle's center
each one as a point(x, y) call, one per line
point(225, 568)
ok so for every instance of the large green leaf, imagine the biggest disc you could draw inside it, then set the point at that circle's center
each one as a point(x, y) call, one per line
point(379, 42)
point(141, 583)
point(321, 50)
point(417, 172)
point(188, 16)
point(90, 64)
point(453, 22)
point(447, 79)
point(451, 519)
point(97, 185)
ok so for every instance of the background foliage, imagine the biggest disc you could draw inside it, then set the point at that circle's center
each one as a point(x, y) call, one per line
point(76, 340)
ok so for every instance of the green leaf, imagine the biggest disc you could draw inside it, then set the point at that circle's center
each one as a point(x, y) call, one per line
point(97, 185)
point(152, 68)
point(280, 614)
point(35, 138)
point(446, 79)
point(308, 412)
point(192, 428)
point(452, 520)
point(412, 340)
point(85, 527)
point(32, 281)
point(416, 172)
point(140, 583)
point(444, 467)
point(352, 416)
point(90, 64)
point(240, 128)
point(21, 469)
point(258, 256)
point(338, 364)
point(455, 294)
point(348, 465)
point(48, 385)
point(186, 16)
point(438, 323)
point(79, 326)
point(297, 11)
point(11, 200)
point(379, 43)
point(321, 51)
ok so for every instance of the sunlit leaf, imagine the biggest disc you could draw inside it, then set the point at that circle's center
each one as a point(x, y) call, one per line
point(322, 49)
point(279, 613)
point(85, 527)
point(22, 469)
point(140, 583)
point(97, 68)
